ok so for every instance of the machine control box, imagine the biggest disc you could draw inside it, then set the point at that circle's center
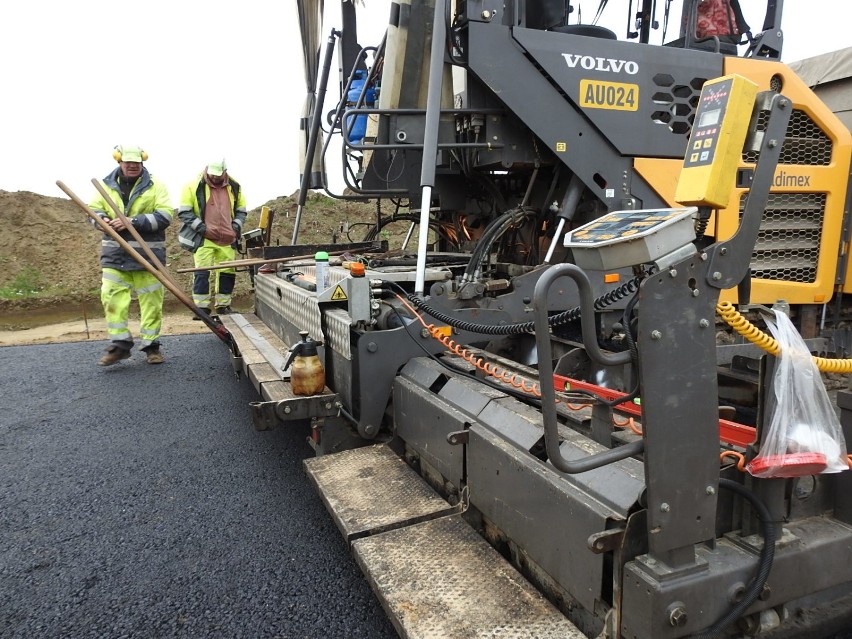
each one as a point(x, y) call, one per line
point(716, 142)
point(625, 238)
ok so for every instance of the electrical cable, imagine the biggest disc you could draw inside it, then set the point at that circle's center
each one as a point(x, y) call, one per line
point(530, 392)
point(511, 391)
point(767, 555)
point(451, 40)
point(626, 320)
point(739, 457)
point(373, 233)
point(535, 400)
point(741, 325)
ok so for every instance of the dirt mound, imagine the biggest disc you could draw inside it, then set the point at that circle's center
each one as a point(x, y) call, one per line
point(49, 250)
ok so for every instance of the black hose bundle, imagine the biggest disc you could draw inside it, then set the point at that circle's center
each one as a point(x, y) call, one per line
point(767, 555)
point(495, 231)
point(560, 319)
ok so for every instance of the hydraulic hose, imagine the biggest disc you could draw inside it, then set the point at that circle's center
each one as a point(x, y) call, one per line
point(494, 231)
point(767, 555)
point(560, 319)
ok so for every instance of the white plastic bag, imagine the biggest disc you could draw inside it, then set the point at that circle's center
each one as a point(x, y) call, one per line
point(803, 434)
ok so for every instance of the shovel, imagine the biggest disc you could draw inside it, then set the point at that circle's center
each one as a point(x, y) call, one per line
point(161, 275)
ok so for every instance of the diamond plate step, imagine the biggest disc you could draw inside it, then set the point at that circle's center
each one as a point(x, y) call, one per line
point(440, 579)
point(370, 489)
point(434, 575)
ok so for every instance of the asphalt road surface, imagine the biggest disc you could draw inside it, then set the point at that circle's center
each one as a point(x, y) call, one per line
point(138, 501)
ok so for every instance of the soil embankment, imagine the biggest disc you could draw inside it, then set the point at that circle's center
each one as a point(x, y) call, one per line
point(50, 273)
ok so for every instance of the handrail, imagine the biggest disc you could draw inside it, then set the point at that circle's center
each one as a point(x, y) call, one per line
point(545, 369)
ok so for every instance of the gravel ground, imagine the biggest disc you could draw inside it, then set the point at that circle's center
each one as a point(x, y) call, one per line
point(138, 501)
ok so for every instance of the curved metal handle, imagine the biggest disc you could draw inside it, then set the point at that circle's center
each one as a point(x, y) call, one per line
point(545, 369)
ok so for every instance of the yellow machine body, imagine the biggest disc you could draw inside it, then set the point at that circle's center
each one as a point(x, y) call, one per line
point(801, 253)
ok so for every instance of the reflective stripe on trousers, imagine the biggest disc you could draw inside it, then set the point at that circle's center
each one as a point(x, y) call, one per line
point(211, 254)
point(117, 288)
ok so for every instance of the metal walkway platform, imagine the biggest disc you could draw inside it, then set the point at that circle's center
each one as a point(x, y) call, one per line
point(434, 575)
point(370, 490)
point(260, 354)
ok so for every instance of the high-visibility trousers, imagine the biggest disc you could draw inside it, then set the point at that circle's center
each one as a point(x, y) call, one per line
point(211, 254)
point(117, 289)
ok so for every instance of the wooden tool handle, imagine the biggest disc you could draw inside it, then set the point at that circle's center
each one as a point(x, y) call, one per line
point(220, 331)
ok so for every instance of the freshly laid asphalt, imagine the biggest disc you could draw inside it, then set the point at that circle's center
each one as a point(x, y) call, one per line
point(138, 501)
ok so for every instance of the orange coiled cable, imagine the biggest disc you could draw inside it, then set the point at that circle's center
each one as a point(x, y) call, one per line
point(738, 456)
point(627, 423)
point(500, 374)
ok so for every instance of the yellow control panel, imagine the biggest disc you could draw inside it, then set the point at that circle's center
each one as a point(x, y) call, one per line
point(716, 142)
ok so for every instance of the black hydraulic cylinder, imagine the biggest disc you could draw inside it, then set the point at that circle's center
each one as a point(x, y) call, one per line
point(316, 119)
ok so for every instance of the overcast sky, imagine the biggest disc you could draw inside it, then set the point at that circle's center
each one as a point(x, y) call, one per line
point(191, 81)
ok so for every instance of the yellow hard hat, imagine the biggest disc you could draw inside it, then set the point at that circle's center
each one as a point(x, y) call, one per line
point(129, 153)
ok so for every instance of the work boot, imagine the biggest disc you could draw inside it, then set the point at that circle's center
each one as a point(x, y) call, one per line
point(203, 310)
point(223, 310)
point(114, 354)
point(154, 356)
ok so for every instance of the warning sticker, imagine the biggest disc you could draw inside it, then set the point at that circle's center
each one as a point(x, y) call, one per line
point(338, 294)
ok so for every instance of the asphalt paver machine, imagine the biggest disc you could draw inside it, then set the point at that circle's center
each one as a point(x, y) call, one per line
point(531, 425)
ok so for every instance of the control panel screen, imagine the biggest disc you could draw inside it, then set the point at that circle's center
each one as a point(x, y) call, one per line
point(709, 118)
point(705, 133)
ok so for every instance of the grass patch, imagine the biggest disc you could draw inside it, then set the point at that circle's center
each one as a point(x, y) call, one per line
point(27, 283)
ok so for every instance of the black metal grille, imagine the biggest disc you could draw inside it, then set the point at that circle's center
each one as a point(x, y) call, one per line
point(676, 103)
point(787, 247)
point(805, 143)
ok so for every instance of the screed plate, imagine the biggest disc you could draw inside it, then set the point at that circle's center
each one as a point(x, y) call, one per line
point(370, 489)
point(440, 579)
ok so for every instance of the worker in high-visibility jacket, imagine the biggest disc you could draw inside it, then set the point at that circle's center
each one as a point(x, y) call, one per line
point(145, 201)
point(212, 210)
